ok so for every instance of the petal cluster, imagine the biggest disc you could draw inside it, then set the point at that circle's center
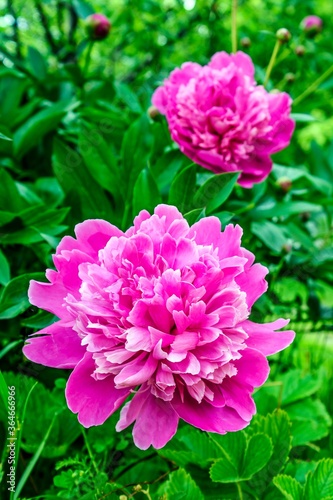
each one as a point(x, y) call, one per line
point(159, 315)
point(222, 119)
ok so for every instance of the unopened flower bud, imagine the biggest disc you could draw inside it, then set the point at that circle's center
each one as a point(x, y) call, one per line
point(284, 183)
point(97, 26)
point(287, 247)
point(283, 35)
point(289, 77)
point(153, 112)
point(300, 50)
point(312, 25)
point(245, 42)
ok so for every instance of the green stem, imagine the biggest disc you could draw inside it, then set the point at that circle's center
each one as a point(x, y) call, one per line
point(239, 489)
point(272, 61)
point(314, 86)
point(86, 442)
point(234, 26)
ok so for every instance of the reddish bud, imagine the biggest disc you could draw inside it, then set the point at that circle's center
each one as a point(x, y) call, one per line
point(245, 42)
point(152, 112)
point(284, 184)
point(300, 50)
point(283, 35)
point(312, 25)
point(97, 26)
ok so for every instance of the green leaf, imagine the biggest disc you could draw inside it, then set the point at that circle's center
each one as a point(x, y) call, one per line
point(310, 421)
point(182, 189)
point(302, 118)
point(289, 487)
point(258, 452)
point(215, 191)
point(4, 269)
point(243, 460)
point(10, 199)
point(37, 63)
point(145, 193)
point(83, 9)
point(135, 151)
point(181, 486)
point(99, 159)
point(9, 347)
point(272, 235)
point(5, 138)
point(14, 299)
point(43, 122)
point(125, 94)
point(296, 386)
point(194, 215)
point(278, 428)
point(4, 391)
point(319, 484)
point(73, 176)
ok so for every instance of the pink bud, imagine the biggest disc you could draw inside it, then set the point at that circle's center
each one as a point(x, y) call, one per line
point(97, 26)
point(283, 35)
point(312, 25)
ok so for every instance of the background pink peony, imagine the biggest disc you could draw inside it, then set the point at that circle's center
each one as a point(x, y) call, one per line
point(159, 312)
point(222, 119)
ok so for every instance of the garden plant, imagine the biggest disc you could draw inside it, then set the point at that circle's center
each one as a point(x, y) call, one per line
point(166, 259)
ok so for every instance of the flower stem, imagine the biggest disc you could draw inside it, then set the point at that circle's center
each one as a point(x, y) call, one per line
point(272, 61)
point(234, 26)
point(239, 489)
point(313, 87)
point(91, 456)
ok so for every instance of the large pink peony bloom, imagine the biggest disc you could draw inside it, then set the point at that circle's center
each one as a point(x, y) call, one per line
point(159, 312)
point(222, 120)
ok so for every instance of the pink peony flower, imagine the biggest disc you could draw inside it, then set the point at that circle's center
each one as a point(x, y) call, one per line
point(97, 26)
point(222, 119)
point(159, 313)
point(312, 25)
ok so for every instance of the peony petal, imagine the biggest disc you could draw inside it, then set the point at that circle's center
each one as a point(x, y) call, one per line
point(265, 338)
point(59, 346)
point(155, 424)
point(207, 417)
point(94, 401)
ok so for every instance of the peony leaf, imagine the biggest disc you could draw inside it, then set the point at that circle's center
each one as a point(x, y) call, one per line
point(14, 299)
point(319, 484)
point(182, 189)
point(215, 191)
point(99, 158)
point(181, 486)
point(289, 487)
point(145, 193)
point(44, 121)
point(4, 269)
point(272, 235)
